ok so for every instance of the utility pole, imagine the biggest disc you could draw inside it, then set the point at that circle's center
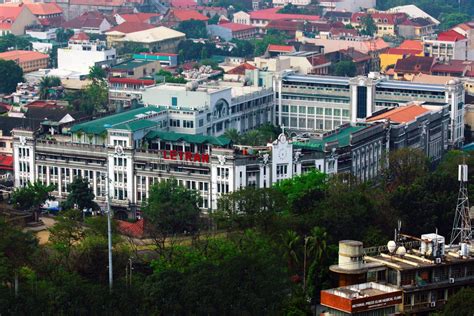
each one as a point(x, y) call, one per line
point(109, 229)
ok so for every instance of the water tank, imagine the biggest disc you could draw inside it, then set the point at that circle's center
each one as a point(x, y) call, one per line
point(432, 245)
point(464, 249)
point(350, 254)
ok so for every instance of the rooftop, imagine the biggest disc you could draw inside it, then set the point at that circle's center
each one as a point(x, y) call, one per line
point(132, 64)
point(139, 17)
point(450, 36)
point(88, 19)
point(189, 138)
point(8, 14)
point(22, 55)
point(42, 8)
point(342, 136)
point(280, 48)
point(99, 126)
point(272, 14)
point(185, 15)
point(401, 114)
point(414, 64)
point(144, 82)
point(156, 34)
point(236, 27)
point(130, 27)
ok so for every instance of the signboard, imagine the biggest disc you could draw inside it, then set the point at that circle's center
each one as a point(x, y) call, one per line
point(375, 302)
point(184, 156)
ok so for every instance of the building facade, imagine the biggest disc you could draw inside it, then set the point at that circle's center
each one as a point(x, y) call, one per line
point(316, 103)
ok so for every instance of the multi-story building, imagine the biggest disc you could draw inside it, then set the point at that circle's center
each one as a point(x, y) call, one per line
point(386, 22)
point(82, 53)
point(347, 5)
point(135, 68)
point(212, 109)
point(134, 149)
point(447, 45)
point(126, 92)
point(16, 18)
point(316, 103)
point(425, 272)
point(28, 60)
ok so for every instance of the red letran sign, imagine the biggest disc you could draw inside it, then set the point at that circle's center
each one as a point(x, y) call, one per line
point(184, 156)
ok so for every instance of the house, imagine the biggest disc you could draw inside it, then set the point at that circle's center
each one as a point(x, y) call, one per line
point(386, 22)
point(453, 68)
point(413, 65)
point(75, 8)
point(135, 68)
point(176, 16)
point(276, 50)
point(238, 73)
point(230, 30)
point(159, 39)
point(467, 30)
point(339, 16)
point(300, 62)
point(49, 14)
point(15, 18)
point(27, 60)
point(347, 5)
point(141, 17)
point(416, 28)
point(90, 22)
point(125, 28)
point(82, 53)
point(123, 92)
point(413, 12)
point(448, 45)
point(363, 62)
point(406, 48)
point(261, 18)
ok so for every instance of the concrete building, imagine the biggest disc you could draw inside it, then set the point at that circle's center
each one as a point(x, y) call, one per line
point(15, 18)
point(82, 53)
point(298, 3)
point(135, 68)
point(317, 103)
point(347, 5)
point(134, 149)
point(212, 109)
point(424, 269)
point(448, 45)
point(127, 92)
point(386, 22)
point(90, 22)
point(28, 60)
point(417, 28)
point(229, 31)
point(165, 59)
point(159, 39)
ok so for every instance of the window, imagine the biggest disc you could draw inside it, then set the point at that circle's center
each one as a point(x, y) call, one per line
point(337, 112)
point(302, 109)
point(294, 109)
point(174, 101)
point(328, 111)
point(310, 110)
point(345, 113)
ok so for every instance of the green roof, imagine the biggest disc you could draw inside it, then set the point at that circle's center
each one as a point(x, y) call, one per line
point(194, 139)
point(135, 125)
point(101, 125)
point(131, 64)
point(343, 137)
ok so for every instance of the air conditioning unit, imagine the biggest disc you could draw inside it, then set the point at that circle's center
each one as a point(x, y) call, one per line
point(438, 260)
point(433, 304)
point(451, 280)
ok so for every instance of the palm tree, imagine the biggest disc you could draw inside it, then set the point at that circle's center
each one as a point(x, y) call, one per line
point(317, 243)
point(233, 135)
point(44, 85)
point(290, 243)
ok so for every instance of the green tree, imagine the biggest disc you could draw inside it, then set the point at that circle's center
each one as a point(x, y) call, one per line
point(131, 48)
point(10, 41)
point(291, 244)
point(272, 37)
point(63, 35)
point(95, 97)
point(171, 209)
point(460, 304)
point(32, 197)
point(214, 19)
point(405, 166)
point(368, 26)
point(193, 28)
point(233, 135)
point(80, 195)
point(452, 19)
point(12, 74)
point(345, 68)
point(97, 74)
point(46, 83)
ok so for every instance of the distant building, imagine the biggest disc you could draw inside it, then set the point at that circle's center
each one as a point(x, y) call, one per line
point(229, 31)
point(125, 28)
point(413, 12)
point(176, 16)
point(386, 22)
point(165, 59)
point(126, 92)
point(149, 18)
point(27, 60)
point(448, 45)
point(159, 39)
point(416, 28)
point(299, 3)
point(135, 68)
point(82, 53)
point(392, 55)
point(48, 14)
point(347, 5)
point(90, 22)
point(15, 18)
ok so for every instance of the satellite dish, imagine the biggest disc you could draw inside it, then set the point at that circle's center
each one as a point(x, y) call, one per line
point(401, 251)
point(391, 245)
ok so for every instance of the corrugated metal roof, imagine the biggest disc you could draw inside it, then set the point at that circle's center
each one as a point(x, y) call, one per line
point(194, 139)
point(343, 137)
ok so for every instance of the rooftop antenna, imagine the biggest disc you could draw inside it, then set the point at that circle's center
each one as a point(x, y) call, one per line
point(462, 227)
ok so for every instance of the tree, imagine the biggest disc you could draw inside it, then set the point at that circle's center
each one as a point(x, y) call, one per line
point(345, 68)
point(214, 19)
point(97, 74)
point(10, 41)
point(405, 166)
point(32, 197)
point(368, 26)
point(452, 19)
point(63, 35)
point(95, 97)
point(80, 196)
point(461, 303)
point(46, 83)
point(290, 243)
point(272, 37)
point(193, 28)
point(12, 74)
point(233, 135)
point(166, 76)
point(131, 48)
point(171, 209)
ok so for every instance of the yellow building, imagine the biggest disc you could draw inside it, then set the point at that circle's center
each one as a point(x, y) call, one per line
point(408, 47)
point(386, 22)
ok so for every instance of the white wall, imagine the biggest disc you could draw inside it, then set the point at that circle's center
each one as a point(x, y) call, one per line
point(81, 61)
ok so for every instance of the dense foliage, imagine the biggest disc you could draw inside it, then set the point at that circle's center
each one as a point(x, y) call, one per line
point(12, 74)
point(269, 255)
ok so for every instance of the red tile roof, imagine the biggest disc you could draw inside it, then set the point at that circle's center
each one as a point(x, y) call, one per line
point(6, 162)
point(8, 15)
point(450, 36)
point(183, 3)
point(130, 27)
point(414, 64)
point(411, 44)
point(81, 36)
point(454, 66)
point(41, 8)
point(139, 17)
point(285, 25)
point(185, 15)
point(240, 69)
point(401, 114)
point(236, 27)
point(145, 82)
point(280, 48)
point(135, 230)
point(401, 51)
point(22, 55)
point(102, 3)
point(272, 14)
point(91, 19)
